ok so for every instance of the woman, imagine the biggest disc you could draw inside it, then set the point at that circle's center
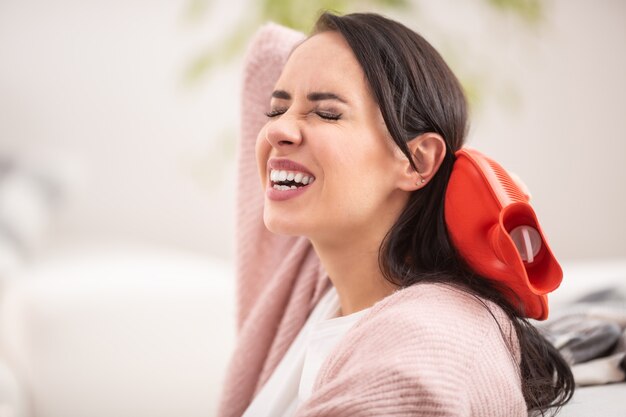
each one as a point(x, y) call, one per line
point(352, 300)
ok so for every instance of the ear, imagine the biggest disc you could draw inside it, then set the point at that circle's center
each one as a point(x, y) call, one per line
point(428, 150)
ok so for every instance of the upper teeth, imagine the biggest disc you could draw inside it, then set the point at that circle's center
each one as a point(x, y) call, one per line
point(299, 177)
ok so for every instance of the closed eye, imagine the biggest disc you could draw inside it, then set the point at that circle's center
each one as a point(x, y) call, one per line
point(275, 112)
point(323, 114)
point(328, 116)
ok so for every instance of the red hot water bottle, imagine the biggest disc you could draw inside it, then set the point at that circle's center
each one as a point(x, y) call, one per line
point(496, 231)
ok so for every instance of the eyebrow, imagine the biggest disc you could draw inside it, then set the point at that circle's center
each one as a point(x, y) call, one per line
point(315, 96)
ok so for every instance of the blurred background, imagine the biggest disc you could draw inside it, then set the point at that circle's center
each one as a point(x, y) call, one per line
point(128, 109)
point(118, 125)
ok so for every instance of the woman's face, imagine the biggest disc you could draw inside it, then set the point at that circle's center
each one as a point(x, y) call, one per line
point(324, 125)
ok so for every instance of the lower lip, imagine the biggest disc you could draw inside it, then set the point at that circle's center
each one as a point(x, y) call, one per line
point(281, 195)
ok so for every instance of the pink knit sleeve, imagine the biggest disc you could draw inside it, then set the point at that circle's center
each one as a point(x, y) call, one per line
point(279, 278)
point(258, 251)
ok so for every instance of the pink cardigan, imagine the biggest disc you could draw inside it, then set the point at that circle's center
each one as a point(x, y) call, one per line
point(427, 350)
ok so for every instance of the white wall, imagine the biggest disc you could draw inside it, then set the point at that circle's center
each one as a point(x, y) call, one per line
point(567, 139)
point(99, 82)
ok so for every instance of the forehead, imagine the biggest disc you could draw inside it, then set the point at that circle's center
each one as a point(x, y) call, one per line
point(323, 61)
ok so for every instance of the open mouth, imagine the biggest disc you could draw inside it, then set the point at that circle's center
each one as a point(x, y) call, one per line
point(289, 180)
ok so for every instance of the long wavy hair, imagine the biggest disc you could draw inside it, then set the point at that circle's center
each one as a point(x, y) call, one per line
point(418, 93)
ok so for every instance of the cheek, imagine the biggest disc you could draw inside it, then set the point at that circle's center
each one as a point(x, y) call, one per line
point(363, 178)
point(363, 155)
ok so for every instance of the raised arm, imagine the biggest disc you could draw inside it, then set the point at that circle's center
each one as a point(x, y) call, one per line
point(258, 251)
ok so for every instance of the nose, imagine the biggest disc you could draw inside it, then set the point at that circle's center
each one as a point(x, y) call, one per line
point(284, 133)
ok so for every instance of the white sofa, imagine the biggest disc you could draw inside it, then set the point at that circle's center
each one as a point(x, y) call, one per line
point(147, 333)
point(115, 333)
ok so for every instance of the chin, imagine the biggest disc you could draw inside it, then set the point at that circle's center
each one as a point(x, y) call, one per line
point(283, 226)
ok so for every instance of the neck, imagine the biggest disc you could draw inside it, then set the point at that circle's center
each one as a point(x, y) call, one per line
point(353, 268)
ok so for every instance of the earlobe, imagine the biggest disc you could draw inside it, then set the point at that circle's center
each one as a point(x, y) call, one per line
point(428, 151)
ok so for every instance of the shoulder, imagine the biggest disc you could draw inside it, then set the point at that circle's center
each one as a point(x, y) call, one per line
point(434, 319)
point(440, 345)
point(438, 310)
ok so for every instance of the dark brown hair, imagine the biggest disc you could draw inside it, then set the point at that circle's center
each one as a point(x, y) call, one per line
point(418, 93)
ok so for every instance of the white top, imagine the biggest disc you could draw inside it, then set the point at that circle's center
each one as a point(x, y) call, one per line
point(293, 379)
